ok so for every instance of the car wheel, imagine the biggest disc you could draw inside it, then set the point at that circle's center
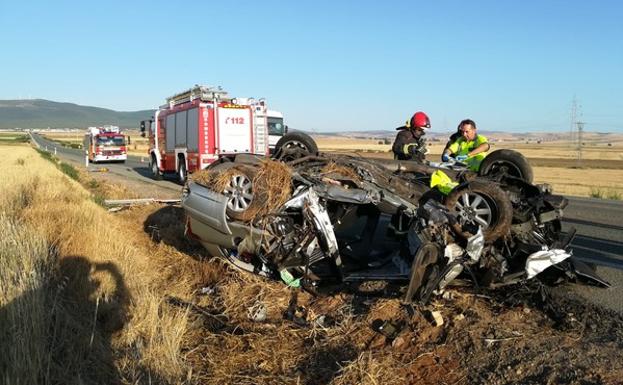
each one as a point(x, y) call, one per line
point(506, 162)
point(295, 145)
point(241, 202)
point(481, 204)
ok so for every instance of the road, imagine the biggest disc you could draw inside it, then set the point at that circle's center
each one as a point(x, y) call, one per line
point(599, 240)
point(599, 225)
point(134, 168)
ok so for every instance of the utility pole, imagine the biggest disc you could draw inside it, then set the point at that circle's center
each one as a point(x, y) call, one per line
point(580, 129)
point(574, 111)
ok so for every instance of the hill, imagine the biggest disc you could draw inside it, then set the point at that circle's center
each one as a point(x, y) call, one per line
point(41, 113)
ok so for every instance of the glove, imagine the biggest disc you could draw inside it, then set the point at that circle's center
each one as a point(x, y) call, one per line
point(445, 157)
point(414, 149)
point(461, 158)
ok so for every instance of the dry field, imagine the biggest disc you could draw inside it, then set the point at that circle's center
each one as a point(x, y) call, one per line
point(599, 175)
point(553, 150)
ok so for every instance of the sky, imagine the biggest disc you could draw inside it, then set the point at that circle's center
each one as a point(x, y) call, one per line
point(329, 65)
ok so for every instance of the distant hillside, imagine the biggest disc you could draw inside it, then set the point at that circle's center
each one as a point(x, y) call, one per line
point(40, 113)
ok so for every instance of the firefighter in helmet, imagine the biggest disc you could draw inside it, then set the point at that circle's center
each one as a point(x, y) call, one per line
point(410, 143)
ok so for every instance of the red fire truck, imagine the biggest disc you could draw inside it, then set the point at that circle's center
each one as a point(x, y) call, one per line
point(197, 126)
point(105, 143)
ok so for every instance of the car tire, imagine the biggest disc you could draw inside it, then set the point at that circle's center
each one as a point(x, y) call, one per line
point(484, 204)
point(295, 145)
point(506, 162)
point(423, 272)
point(241, 199)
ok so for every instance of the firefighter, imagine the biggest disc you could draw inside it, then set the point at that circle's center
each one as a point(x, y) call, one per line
point(410, 143)
point(470, 147)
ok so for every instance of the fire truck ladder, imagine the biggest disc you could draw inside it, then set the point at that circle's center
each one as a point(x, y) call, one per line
point(204, 93)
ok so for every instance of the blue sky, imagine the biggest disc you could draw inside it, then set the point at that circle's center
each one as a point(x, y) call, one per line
point(329, 65)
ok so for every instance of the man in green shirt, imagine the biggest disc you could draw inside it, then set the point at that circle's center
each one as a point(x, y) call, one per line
point(470, 148)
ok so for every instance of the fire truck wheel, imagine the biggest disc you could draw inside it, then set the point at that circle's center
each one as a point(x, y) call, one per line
point(153, 166)
point(295, 145)
point(181, 172)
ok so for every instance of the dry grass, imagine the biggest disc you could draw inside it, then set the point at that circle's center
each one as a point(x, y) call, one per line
point(341, 170)
point(79, 301)
point(580, 182)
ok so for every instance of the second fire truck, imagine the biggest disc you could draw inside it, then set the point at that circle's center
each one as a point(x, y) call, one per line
point(105, 144)
point(197, 126)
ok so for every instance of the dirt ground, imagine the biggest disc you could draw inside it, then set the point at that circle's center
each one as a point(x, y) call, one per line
point(248, 330)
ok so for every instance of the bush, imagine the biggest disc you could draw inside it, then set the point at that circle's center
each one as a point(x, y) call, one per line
point(596, 193)
point(615, 195)
point(606, 194)
point(93, 184)
point(69, 170)
point(47, 155)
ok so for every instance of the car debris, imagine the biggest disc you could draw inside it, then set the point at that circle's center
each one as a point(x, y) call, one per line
point(327, 218)
point(257, 312)
point(139, 201)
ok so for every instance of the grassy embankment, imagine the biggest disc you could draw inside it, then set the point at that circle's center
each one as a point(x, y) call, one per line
point(91, 297)
point(80, 300)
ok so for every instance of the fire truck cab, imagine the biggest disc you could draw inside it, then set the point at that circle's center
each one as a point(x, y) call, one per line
point(276, 128)
point(197, 126)
point(105, 144)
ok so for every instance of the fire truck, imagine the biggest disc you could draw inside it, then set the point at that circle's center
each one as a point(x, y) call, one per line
point(197, 126)
point(105, 143)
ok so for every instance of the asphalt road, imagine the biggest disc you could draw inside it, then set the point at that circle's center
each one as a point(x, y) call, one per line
point(135, 167)
point(599, 225)
point(599, 240)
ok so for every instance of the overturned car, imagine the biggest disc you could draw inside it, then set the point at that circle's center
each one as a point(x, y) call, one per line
point(322, 219)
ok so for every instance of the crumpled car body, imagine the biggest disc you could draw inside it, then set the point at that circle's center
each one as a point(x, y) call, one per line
point(331, 219)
